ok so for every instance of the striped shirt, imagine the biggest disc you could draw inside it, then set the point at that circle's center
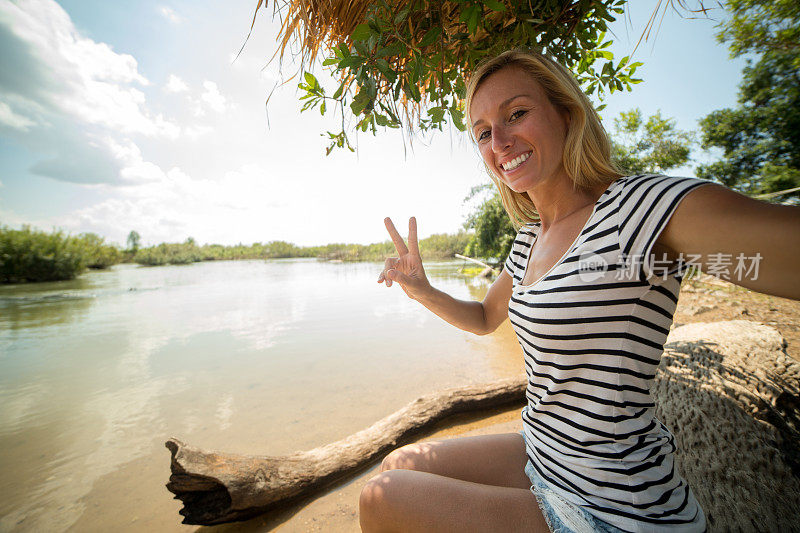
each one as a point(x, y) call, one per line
point(593, 330)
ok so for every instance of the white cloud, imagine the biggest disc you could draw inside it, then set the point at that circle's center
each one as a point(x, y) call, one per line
point(176, 85)
point(193, 132)
point(241, 203)
point(212, 97)
point(169, 14)
point(13, 120)
point(64, 94)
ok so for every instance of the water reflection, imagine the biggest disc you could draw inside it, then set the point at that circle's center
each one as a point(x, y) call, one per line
point(18, 312)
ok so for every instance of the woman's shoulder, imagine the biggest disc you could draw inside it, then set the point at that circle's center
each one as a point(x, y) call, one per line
point(637, 187)
point(526, 234)
point(653, 179)
point(529, 229)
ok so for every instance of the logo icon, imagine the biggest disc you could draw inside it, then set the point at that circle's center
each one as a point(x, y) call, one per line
point(591, 267)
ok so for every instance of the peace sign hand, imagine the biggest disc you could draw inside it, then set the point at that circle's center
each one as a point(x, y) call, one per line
point(407, 268)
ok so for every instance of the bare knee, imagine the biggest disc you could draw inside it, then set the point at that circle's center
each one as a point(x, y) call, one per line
point(375, 504)
point(395, 459)
point(409, 457)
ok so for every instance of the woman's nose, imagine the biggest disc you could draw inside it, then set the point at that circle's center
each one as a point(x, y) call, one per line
point(502, 139)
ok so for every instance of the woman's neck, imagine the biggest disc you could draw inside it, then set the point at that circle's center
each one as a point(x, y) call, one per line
point(559, 199)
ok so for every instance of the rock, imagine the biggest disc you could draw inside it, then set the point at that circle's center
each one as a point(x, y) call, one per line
point(731, 397)
point(692, 310)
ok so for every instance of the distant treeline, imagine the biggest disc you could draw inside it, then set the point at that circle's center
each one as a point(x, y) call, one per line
point(32, 255)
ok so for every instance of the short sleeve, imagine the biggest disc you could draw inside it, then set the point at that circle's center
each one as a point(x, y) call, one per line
point(646, 204)
point(520, 249)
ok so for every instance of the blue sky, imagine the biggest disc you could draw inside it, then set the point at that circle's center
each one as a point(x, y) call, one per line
point(117, 116)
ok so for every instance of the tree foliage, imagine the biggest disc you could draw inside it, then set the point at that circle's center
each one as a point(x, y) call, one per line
point(493, 234)
point(760, 138)
point(406, 63)
point(760, 26)
point(32, 255)
point(133, 241)
point(654, 145)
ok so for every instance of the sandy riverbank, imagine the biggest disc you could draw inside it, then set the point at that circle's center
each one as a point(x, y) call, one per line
point(336, 511)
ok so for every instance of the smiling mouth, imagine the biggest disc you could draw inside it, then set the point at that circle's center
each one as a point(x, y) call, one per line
point(514, 163)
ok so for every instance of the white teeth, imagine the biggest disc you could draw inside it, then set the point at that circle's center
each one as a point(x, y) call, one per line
point(514, 163)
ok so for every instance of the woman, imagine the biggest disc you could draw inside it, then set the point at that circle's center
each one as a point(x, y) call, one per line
point(590, 287)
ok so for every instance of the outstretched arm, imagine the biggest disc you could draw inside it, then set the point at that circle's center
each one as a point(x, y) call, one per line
point(407, 270)
point(713, 220)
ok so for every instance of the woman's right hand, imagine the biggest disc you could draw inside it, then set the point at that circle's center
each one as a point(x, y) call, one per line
point(406, 269)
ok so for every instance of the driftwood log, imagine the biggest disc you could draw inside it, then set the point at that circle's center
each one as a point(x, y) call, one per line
point(726, 390)
point(218, 487)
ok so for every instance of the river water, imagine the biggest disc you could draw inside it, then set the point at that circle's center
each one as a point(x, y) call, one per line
point(254, 357)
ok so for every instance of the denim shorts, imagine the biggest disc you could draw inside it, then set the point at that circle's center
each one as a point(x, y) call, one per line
point(563, 516)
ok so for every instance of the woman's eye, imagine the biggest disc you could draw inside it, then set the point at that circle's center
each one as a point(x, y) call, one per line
point(482, 135)
point(518, 113)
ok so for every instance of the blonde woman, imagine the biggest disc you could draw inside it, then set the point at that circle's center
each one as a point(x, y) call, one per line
point(590, 287)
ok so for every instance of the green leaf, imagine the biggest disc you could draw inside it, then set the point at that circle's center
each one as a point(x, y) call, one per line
point(415, 92)
point(472, 24)
point(311, 80)
point(431, 36)
point(330, 61)
point(391, 50)
point(436, 113)
point(361, 48)
point(350, 62)
point(359, 102)
point(389, 112)
point(322, 108)
point(401, 16)
point(458, 118)
point(466, 13)
point(416, 71)
point(383, 66)
point(372, 41)
point(361, 33)
point(338, 92)
point(494, 5)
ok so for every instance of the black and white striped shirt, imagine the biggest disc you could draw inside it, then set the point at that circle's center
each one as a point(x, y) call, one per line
point(593, 330)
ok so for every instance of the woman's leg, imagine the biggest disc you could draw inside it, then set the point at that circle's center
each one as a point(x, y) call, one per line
point(462, 484)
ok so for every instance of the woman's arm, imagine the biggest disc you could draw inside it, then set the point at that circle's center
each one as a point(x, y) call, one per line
point(748, 242)
point(406, 269)
point(480, 318)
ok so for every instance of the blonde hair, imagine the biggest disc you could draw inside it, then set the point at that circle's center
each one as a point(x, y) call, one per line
point(587, 149)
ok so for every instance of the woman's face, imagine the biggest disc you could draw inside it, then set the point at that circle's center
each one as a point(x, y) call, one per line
point(520, 134)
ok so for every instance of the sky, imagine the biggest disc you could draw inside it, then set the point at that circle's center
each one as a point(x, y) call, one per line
point(120, 116)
